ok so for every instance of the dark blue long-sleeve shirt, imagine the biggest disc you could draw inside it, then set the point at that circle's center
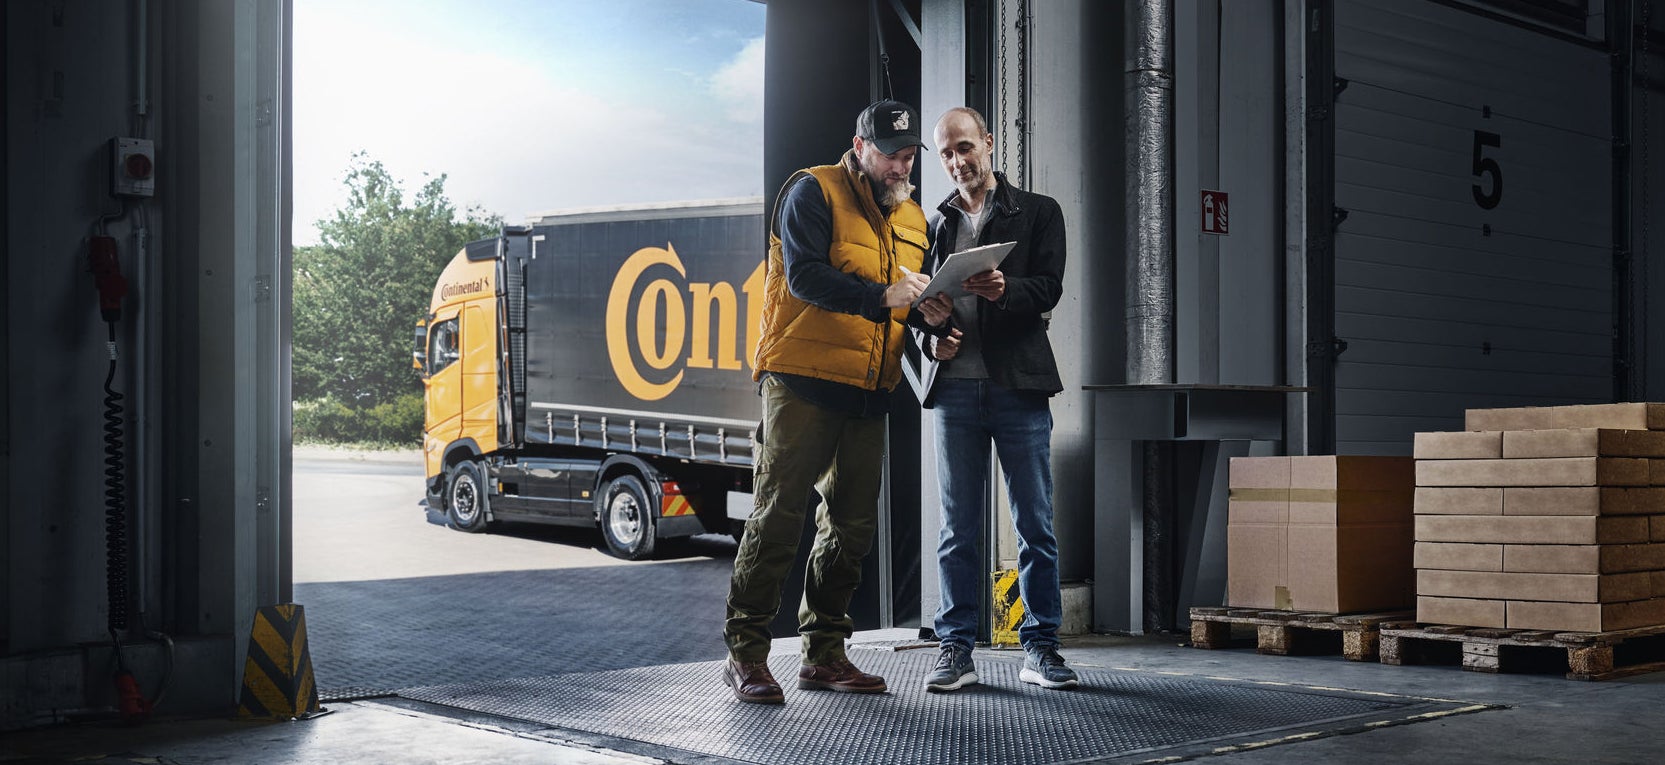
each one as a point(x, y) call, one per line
point(806, 238)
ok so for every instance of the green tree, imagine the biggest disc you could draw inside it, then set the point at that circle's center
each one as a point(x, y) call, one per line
point(359, 292)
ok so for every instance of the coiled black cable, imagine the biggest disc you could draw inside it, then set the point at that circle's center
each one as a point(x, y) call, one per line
point(115, 498)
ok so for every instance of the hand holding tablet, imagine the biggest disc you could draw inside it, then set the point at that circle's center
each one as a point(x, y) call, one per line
point(956, 268)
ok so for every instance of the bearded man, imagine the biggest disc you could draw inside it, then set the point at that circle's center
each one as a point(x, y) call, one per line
point(846, 243)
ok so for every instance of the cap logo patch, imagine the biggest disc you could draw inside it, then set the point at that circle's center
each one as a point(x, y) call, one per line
point(901, 122)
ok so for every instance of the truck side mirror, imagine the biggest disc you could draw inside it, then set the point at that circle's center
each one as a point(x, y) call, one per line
point(419, 357)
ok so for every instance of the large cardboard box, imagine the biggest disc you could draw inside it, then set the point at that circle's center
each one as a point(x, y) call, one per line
point(1581, 559)
point(1582, 442)
point(1583, 500)
point(1458, 445)
point(1534, 529)
point(1469, 611)
point(1335, 536)
point(1633, 416)
point(1459, 501)
point(1456, 556)
point(1567, 588)
point(1559, 471)
point(1583, 617)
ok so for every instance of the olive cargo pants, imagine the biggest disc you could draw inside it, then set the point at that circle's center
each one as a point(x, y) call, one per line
point(804, 446)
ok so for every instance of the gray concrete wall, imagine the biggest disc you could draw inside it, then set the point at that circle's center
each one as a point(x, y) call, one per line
point(201, 344)
point(68, 91)
point(1075, 119)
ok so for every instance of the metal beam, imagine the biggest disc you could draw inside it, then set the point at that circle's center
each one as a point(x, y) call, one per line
point(908, 23)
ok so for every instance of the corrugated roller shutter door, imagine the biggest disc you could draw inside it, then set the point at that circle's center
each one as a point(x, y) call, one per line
point(1474, 266)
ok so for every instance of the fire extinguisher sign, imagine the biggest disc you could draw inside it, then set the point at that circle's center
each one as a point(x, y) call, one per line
point(1214, 209)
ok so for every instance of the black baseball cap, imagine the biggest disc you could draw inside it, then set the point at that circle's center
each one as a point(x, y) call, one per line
point(891, 125)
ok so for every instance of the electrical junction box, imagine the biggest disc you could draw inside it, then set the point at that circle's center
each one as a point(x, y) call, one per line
point(132, 167)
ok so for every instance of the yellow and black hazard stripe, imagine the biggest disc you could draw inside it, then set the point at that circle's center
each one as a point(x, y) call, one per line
point(277, 677)
point(1008, 609)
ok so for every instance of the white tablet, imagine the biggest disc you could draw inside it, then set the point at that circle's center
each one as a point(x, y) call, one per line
point(962, 265)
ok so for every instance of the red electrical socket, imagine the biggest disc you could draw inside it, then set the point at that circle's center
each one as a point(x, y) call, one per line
point(132, 703)
point(106, 271)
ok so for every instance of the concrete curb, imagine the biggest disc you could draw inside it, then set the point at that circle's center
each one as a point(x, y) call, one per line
point(342, 454)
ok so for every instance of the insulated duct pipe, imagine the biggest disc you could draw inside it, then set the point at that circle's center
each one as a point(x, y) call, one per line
point(1150, 277)
point(1150, 193)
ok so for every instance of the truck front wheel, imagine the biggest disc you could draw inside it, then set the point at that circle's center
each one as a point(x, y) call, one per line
point(465, 497)
point(627, 518)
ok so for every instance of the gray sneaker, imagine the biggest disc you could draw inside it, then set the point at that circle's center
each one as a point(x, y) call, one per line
point(1045, 668)
point(954, 670)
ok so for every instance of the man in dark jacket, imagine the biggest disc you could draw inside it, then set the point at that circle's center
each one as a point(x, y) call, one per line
point(997, 372)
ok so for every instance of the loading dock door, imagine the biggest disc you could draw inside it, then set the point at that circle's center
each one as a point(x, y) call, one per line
point(1473, 267)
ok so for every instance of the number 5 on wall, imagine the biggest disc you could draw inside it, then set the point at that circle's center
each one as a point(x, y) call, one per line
point(1484, 165)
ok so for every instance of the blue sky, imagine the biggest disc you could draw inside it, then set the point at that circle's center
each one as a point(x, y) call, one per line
point(529, 106)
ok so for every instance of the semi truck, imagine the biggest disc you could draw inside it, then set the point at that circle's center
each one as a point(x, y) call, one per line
point(593, 368)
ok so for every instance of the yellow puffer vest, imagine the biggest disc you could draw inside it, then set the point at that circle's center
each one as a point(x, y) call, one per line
point(802, 339)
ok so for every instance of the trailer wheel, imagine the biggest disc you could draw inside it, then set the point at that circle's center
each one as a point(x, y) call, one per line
point(627, 518)
point(465, 497)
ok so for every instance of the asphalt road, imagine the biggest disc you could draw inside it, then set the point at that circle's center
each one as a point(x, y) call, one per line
point(394, 599)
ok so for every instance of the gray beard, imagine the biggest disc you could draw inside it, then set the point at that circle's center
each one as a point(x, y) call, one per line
point(895, 195)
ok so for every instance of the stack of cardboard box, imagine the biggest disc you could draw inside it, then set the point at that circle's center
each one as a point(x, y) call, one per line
point(1329, 534)
point(1543, 518)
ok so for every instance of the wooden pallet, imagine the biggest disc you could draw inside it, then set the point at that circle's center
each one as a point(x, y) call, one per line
point(1587, 655)
point(1285, 633)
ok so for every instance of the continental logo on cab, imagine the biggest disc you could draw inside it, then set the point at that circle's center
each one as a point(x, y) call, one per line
point(706, 325)
point(459, 289)
point(465, 280)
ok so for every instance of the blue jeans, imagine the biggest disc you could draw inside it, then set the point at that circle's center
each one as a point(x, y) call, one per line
point(969, 415)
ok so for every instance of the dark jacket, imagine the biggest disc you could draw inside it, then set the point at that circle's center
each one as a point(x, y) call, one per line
point(1015, 346)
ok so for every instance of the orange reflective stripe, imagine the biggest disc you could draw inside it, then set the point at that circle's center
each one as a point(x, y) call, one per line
point(675, 505)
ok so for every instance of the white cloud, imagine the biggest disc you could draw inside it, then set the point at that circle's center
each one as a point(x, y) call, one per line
point(512, 137)
point(738, 85)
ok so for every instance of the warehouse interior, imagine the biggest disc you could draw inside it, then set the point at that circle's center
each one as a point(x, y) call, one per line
point(1437, 206)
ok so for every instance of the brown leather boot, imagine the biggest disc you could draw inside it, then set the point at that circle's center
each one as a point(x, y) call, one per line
point(839, 675)
point(752, 682)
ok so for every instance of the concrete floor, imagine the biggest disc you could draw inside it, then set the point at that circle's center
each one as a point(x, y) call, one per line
point(1543, 719)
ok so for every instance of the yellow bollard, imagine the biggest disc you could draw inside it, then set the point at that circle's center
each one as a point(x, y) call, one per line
point(277, 677)
point(1008, 610)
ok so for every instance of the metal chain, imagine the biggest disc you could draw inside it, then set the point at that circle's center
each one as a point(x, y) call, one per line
point(1022, 121)
point(1001, 74)
point(1014, 124)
